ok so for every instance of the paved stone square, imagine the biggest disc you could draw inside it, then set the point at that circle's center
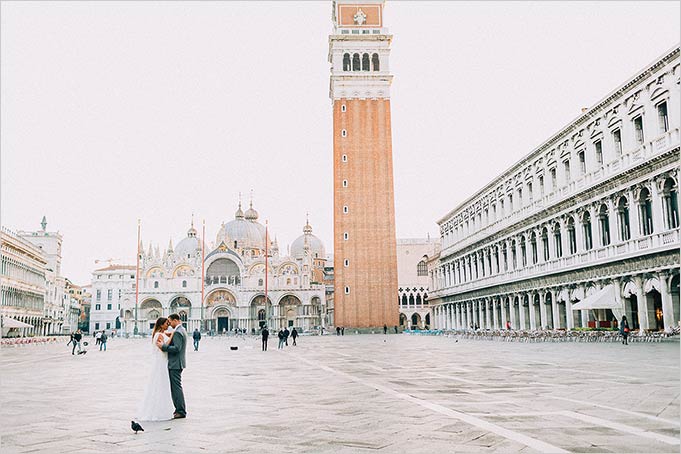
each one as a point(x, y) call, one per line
point(367, 393)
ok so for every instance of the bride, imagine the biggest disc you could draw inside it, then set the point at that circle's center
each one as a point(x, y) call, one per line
point(157, 403)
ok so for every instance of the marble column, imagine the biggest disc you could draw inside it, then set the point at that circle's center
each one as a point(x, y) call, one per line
point(642, 304)
point(543, 322)
point(533, 321)
point(495, 324)
point(667, 305)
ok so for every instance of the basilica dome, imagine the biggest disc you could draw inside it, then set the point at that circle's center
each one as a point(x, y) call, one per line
point(315, 244)
point(189, 246)
point(246, 232)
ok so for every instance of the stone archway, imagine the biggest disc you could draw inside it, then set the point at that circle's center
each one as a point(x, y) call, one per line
point(256, 308)
point(150, 310)
point(221, 320)
point(416, 320)
point(290, 310)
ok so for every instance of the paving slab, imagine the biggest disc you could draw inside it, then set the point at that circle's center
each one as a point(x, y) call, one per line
point(350, 394)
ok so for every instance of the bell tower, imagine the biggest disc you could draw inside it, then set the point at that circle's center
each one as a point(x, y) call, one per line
point(365, 257)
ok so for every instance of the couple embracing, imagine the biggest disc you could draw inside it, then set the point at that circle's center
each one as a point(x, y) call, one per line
point(163, 398)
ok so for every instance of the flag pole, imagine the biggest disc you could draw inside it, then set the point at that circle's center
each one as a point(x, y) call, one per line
point(137, 277)
point(266, 264)
point(203, 272)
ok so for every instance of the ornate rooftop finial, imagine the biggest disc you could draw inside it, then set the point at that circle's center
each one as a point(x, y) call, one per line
point(239, 213)
point(43, 223)
point(308, 228)
point(170, 245)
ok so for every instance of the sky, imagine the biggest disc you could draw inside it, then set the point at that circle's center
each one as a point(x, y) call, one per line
point(119, 111)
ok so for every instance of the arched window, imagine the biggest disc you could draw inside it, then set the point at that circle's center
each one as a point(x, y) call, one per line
point(645, 208)
point(670, 203)
point(261, 315)
point(586, 226)
point(375, 63)
point(558, 240)
point(533, 247)
point(404, 300)
point(365, 62)
point(623, 218)
point(418, 300)
point(572, 238)
point(346, 62)
point(184, 284)
point(355, 62)
point(259, 282)
point(422, 269)
point(411, 299)
point(514, 255)
point(545, 243)
point(504, 254)
point(523, 251)
point(604, 224)
point(155, 284)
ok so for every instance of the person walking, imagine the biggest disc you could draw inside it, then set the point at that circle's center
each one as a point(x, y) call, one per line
point(624, 330)
point(265, 334)
point(76, 342)
point(280, 335)
point(197, 337)
point(385, 329)
point(287, 333)
point(342, 330)
point(337, 330)
point(70, 339)
point(98, 337)
point(102, 341)
point(294, 334)
point(395, 328)
point(508, 324)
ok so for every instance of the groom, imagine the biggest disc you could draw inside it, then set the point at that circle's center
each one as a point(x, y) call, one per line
point(176, 362)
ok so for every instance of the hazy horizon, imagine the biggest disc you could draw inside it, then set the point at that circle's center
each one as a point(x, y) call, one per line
point(119, 111)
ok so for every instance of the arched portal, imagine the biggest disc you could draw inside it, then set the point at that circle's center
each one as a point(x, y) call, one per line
point(222, 319)
point(150, 310)
point(416, 320)
point(257, 307)
point(403, 320)
point(290, 309)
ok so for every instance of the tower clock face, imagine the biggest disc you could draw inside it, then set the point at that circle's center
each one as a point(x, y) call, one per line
point(360, 18)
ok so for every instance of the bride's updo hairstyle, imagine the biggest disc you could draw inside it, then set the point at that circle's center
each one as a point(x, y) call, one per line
point(159, 324)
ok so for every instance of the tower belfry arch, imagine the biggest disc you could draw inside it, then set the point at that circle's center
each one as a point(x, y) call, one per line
point(365, 257)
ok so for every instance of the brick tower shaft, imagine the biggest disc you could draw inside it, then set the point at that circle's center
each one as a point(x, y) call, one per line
point(365, 258)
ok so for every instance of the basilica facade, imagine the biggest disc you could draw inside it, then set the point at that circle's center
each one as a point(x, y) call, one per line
point(232, 293)
point(583, 230)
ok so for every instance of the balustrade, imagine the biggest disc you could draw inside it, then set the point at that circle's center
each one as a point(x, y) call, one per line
point(654, 241)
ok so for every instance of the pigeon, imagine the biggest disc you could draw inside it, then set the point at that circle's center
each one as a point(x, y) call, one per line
point(136, 427)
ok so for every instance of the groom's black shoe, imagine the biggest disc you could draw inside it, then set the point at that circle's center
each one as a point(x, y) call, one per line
point(178, 415)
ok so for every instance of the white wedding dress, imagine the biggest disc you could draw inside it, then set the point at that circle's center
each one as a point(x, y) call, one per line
point(157, 403)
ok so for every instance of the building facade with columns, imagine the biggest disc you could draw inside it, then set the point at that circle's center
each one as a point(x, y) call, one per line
point(58, 317)
point(582, 230)
point(413, 281)
point(232, 295)
point(22, 281)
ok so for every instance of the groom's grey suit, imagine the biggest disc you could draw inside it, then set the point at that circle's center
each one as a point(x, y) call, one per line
point(177, 362)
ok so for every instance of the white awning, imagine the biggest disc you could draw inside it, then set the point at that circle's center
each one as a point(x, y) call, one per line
point(11, 323)
point(602, 299)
